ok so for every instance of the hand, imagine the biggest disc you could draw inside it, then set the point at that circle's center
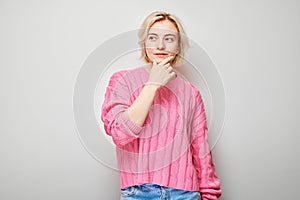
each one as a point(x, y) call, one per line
point(162, 73)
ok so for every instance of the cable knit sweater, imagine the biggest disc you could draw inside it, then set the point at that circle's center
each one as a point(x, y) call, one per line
point(171, 148)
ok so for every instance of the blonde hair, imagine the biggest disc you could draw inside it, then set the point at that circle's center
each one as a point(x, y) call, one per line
point(160, 16)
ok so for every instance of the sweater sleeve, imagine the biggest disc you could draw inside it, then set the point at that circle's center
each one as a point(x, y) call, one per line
point(202, 158)
point(116, 122)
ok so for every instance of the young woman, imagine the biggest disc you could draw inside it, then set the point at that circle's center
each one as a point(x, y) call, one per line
point(157, 121)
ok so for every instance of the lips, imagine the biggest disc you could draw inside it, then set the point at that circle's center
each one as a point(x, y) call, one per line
point(160, 54)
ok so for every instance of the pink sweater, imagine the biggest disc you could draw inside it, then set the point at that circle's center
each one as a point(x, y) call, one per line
point(171, 148)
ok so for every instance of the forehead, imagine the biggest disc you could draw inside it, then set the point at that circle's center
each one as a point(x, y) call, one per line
point(163, 27)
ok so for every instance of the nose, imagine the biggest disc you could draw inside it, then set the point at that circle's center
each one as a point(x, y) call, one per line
point(161, 45)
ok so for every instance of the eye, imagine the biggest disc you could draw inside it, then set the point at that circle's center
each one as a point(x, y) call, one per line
point(152, 38)
point(169, 39)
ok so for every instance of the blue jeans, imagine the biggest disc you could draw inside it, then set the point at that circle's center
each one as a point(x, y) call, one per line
point(157, 192)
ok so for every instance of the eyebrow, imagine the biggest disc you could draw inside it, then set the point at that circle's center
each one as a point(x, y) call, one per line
point(169, 34)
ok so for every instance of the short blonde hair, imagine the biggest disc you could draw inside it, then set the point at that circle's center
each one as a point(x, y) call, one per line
point(160, 16)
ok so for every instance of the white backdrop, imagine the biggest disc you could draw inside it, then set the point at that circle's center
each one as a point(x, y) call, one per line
point(254, 44)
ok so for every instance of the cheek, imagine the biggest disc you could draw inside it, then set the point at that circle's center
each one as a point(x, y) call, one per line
point(172, 48)
point(151, 44)
point(149, 52)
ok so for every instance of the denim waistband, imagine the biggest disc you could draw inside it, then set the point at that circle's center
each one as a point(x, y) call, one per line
point(157, 192)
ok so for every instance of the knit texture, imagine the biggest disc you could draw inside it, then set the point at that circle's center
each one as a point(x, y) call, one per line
point(171, 149)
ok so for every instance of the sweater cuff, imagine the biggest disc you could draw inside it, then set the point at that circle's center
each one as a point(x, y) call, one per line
point(129, 126)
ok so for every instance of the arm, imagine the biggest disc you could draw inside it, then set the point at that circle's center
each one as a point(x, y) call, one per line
point(122, 120)
point(160, 75)
point(139, 109)
point(116, 102)
point(208, 181)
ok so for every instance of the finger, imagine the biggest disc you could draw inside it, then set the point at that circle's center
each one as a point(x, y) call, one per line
point(166, 60)
point(169, 68)
point(167, 65)
point(173, 74)
point(154, 62)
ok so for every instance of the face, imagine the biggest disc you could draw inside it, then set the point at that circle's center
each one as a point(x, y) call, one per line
point(162, 40)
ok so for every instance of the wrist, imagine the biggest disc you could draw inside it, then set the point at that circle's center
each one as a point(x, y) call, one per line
point(152, 86)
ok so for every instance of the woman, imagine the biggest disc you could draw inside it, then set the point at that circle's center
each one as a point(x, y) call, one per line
point(158, 123)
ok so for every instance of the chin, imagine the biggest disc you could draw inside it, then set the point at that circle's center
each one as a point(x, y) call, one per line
point(158, 59)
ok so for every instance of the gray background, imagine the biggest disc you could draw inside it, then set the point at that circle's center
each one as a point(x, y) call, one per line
point(254, 44)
